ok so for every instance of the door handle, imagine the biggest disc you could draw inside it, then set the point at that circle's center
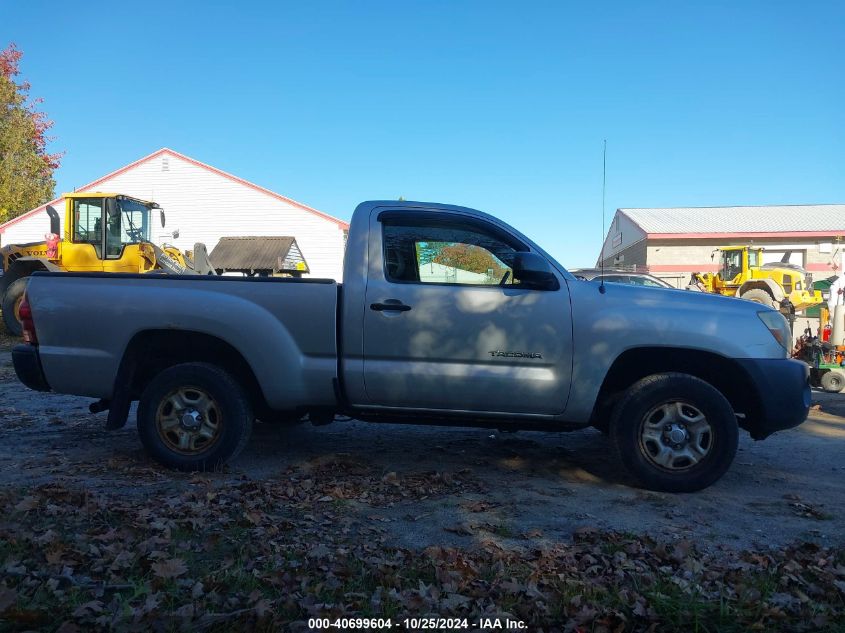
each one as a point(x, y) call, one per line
point(390, 307)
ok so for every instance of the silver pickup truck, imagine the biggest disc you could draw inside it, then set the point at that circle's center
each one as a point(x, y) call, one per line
point(446, 315)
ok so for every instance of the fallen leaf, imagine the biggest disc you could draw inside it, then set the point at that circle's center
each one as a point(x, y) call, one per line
point(26, 504)
point(391, 478)
point(170, 568)
point(8, 597)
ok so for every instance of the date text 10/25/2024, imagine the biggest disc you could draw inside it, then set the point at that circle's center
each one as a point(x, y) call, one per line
point(417, 624)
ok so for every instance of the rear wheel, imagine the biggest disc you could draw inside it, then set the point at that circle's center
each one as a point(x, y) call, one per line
point(675, 432)
point(832, 381)
point(11, 306)
point(194, 416)
point(760, 296)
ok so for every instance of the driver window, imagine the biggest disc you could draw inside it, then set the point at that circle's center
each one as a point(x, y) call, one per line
point(444, 253)
point(733, 264)
point(88, 217)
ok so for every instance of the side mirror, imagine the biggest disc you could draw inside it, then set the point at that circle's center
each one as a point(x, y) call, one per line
point(175, 234)
point(161, 216)
point(534, 272)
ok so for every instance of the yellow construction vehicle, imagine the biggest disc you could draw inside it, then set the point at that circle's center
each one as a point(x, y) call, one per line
point(742, 274)
point(103, 232)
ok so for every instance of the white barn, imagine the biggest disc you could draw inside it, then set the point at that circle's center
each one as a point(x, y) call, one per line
point(205, 204)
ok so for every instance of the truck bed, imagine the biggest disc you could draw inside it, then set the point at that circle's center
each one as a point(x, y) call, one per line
point(294, 317)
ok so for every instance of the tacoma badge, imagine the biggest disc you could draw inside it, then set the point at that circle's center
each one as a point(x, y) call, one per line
point(499, 352)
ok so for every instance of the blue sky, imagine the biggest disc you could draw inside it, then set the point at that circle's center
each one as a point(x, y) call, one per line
point(501, 106)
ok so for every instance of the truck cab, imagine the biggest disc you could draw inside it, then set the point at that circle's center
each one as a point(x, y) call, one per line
point(105, 232)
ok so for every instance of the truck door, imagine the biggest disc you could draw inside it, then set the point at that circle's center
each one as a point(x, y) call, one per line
point(127, 224)
point(85, 251)
point(446, 326)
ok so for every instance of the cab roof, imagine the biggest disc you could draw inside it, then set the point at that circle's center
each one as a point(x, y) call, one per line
point(102, 194)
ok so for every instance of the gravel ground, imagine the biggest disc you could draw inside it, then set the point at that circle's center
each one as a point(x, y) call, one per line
point(522, 489)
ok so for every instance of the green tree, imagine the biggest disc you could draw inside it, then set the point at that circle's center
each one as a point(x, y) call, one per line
point(26, 167)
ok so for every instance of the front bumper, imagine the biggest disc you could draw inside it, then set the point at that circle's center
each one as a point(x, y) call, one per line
point(28, 367)
point(783, 389)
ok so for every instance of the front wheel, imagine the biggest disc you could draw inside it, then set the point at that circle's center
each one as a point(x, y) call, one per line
point(194, 416)
point(760, 296)
point(674, 432)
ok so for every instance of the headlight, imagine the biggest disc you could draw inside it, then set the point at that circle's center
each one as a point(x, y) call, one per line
point(778, 326)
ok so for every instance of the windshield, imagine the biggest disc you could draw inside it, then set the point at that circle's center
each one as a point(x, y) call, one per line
point(130, 224)
point(134, 221)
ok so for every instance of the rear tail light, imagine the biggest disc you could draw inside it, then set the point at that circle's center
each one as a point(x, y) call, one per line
point(27, 324)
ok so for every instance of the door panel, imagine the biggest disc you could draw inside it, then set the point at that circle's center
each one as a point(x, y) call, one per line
point(81, 257)
point(469, 345)
point(129, 260)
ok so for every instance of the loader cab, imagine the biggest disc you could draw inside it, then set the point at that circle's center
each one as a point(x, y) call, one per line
point(105, 231)
point(736, 264)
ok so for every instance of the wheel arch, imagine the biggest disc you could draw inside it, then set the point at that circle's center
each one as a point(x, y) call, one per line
point(723, 373)
point(769, 285)
point(151, 351)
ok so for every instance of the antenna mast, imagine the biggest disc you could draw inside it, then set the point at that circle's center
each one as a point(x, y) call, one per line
point(603, 193)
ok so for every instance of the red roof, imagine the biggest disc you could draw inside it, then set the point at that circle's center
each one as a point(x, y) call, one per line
point(165, 150)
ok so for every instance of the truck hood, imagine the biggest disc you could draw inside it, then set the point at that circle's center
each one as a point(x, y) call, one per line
point(636, 316)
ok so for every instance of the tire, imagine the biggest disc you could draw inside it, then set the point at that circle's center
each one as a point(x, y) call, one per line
point(832, 381)
point(760, 296)
point(665, 407)
point(221, 412)
point(11, 300)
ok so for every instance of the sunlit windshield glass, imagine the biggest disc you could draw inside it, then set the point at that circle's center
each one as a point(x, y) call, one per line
point(134, 221)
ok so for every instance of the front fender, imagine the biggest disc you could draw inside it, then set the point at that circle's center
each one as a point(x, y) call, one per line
point(766, 284)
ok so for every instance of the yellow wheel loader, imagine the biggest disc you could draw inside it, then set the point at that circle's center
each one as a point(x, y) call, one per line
point(742, 274)
point(103, 232)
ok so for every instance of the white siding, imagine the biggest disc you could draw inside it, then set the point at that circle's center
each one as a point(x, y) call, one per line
point(438, 273)
point(31, 229)
point(206, 206)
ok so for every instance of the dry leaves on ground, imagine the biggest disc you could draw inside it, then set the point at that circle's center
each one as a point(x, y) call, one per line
point(268, 555)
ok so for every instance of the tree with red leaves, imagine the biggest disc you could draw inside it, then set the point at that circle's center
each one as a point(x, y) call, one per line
point(468, 257)
point(26, 167)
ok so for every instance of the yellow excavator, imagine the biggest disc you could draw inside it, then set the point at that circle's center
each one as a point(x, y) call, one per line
point(103, 232)
point(742, 274)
